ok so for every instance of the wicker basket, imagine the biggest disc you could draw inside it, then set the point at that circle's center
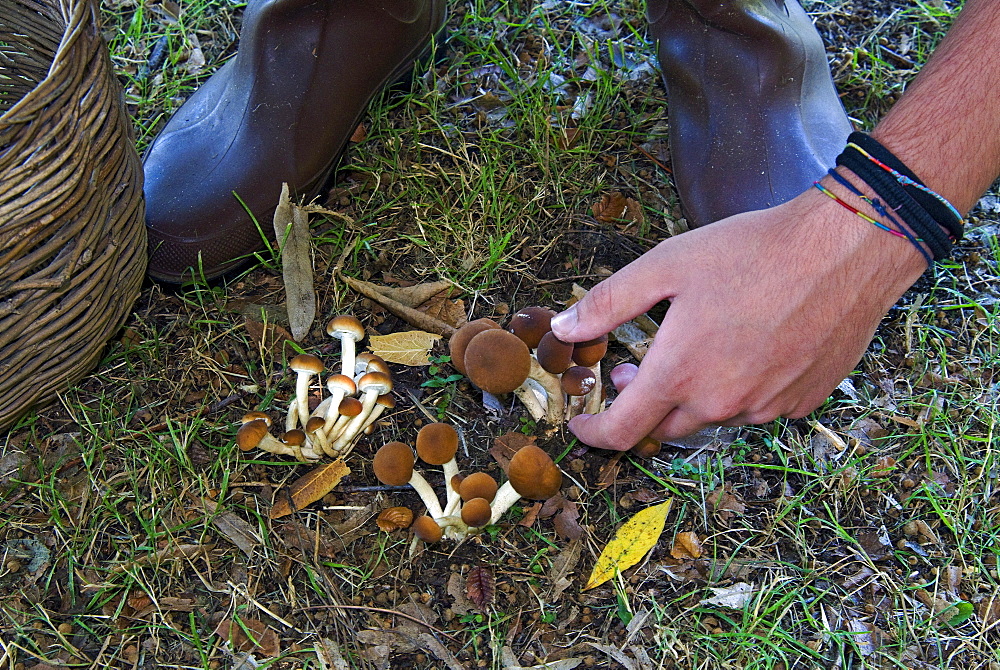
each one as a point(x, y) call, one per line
point(72, 236)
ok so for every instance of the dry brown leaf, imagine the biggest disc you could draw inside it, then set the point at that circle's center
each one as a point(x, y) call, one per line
point(310, 487)
point(611, 207)
point(725, 504)
point(608, 473)
point(456, 589)
point(234, 528)
point(414, 317)
point(418, 294)
point(360, 134)
point(249, 636)
point(686, 545)
point(565, 523)
point(394, 518)
point(530, 515)
point(449, 311)
point(291, 230)
point(567, 138)
point(989, 610)
point(410, 347)
point(505, 446)
point(269, 337)
point(563, 566)
point(480, 586)
point(297, 535)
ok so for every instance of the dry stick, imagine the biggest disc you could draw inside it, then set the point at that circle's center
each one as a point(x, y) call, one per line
point(384, 611)
point(412, 316)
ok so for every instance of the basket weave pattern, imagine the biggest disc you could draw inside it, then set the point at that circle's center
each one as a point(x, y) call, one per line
point(72, 236)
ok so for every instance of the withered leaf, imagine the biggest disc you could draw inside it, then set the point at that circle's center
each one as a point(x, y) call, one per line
point(609, 471)
point(291, 229)
point(269, 337)
point(394, 518)
point(725, 504)
point(249, 635)
point(298, 536)
point(565, 523)
point(480, 586)
point(418, 294)
point(566, 138)
point(735, 597)
point(530, 515)
point(610, 207)
point(410, 347)
point(234, 528)
point(360, 134)
point(310, 487)
point(442, 308)
point(414, 317)
point(456, 589)
point(686, 545)
point(505, 446)
point(636, 537)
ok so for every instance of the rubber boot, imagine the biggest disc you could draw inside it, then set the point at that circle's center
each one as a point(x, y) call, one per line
point(754, 115)
point(281, 110)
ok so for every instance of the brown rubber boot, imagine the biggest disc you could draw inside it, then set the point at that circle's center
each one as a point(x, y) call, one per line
point(281, 110)
point(754, 116)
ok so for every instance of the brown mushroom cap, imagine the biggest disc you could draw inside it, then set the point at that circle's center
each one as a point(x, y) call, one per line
point(347, 326)
point(314, 424)
point(393, 464)
point(306, 363)
point(590, 352)
point(460, 340)
point(553, 354)
point(476, 512)
point(478, 485)
point(531, 323)
point(427, 529)
point(294, 437)
point(349, 407)
point(375, 382)
point(578, 380)
point(250, 434)
point(647, 447)
point(341, 383)
point(251, 416)
point(497, 361)
point(437, 443)
point(533, 474)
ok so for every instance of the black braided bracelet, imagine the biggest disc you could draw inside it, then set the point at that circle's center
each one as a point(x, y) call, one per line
point(923, 211)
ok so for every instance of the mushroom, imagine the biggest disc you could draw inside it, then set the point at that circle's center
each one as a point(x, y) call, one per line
point(478, 485)
point(348, 330)
point(305, 366)
point(553, 354)
point(340, 387)
point(476, 513)
point(427, 529)
point(372, 385)
point(647, 447)
point(437, 444)
point(589, 354)
point(250, 416)
point(459, 342)
point(348, 409)
point(254, 433)
point(393, 465)
point(531, 474)
point(531, 323)
point(497, 361)
point(316, 435)
point(577, 381)
point(382, 403)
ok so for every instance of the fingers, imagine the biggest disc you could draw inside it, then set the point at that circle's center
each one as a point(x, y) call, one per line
point(630, 291)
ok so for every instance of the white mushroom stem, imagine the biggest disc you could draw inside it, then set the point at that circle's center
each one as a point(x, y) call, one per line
point(302, 395)
point(452, 499)
point(555, 405)
point(594, 402)
point(454, 527)
point(347, 355)
point(575, 405)
point(427, 495)
point(331, 414)
point(377, 411)
point(307, 454)
point(528, 393)
point(292, 418)
point(355, 425)
point(505, 498)
point(338, 429)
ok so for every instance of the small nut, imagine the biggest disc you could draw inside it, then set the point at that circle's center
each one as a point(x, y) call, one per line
point(394, 518)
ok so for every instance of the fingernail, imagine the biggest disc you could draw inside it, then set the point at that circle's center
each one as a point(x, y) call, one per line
point(563, 323)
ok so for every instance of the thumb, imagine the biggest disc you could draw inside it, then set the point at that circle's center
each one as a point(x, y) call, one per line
point(622, 296)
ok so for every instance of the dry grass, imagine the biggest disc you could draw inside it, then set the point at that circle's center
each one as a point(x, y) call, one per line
point(131, 526)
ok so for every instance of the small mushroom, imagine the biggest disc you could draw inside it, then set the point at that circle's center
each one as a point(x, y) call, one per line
point(647, 447)
point(427, 530)
point(316, 436)
point(250, 416)
point(372, 385)
point(348, 330)
point(576, 383)
point(478, 485)
point(340, 387)
point(305, 366)
point(531, 474)
point(476, 513)
point(531, 323)
point(295, 439)
point(382, 403)
point(497, 361)
point(348, 409)
point(459, 342)
point(437, 444)
point(393, 465)
point(589, 355)
point(553, 354)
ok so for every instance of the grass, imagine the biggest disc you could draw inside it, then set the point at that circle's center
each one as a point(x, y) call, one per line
point(122, 506)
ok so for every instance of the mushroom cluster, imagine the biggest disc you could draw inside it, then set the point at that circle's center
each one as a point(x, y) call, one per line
point(555, 380)
point(472, 502)
point(358, 395)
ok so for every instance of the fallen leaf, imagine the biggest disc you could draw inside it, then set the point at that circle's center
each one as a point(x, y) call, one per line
point(449, 311)
point(530, 515)
point(506, 445)
point(989, 610)
point(249, 635)
point(686, 545)
point(414, 317)
point(565, 523)
point(394, 518)
point(269, 337)
point(410, 347)
point(563, 566)
point(735, 597)
point(608, 473)
point(310, 487)
point(419, 294)
point(291, 229)
point(566, 138)
point(480, 586)
point(360, 134)
point(297, 535)
point(611, 207)
point(630, 543)
point(456, 589)
point(234, 528)
point(724, 504)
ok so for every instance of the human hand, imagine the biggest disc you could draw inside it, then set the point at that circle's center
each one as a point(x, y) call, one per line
point(769, 311)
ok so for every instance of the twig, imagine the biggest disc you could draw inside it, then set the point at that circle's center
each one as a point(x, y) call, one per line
point(654, 159)
point(384, 611)
point(412, 316)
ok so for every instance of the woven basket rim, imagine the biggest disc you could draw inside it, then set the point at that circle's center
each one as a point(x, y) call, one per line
point(75, 25)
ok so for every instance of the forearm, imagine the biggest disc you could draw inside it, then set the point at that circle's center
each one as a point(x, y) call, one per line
point(946, 127)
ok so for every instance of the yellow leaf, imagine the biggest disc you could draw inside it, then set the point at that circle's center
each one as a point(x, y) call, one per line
point(410, 347)
point(310, 487)
point(630, 543)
